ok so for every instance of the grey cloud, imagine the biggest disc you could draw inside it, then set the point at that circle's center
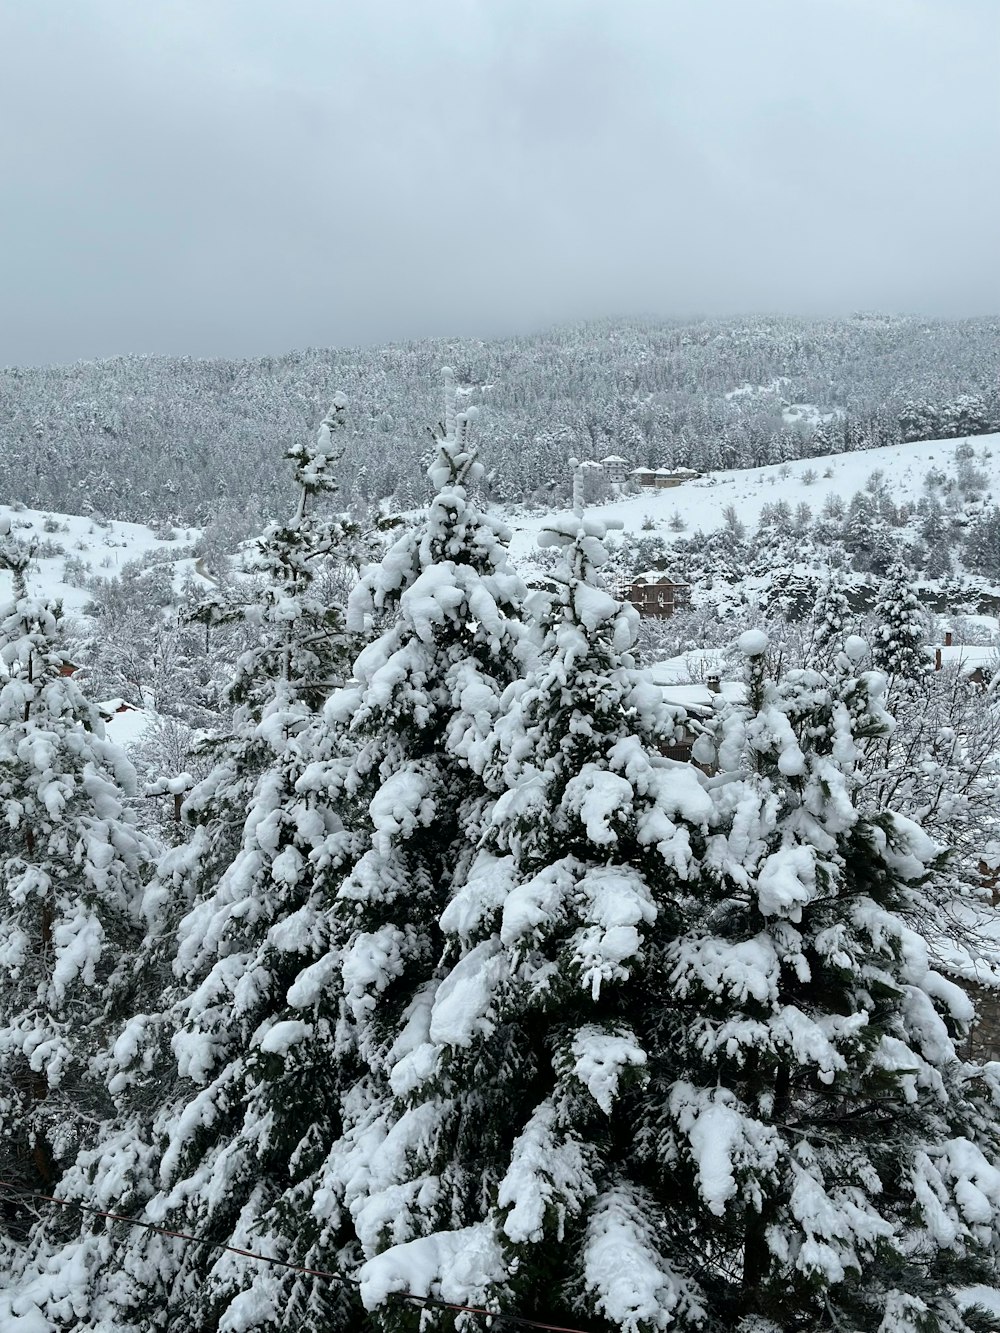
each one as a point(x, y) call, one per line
point(245, 176)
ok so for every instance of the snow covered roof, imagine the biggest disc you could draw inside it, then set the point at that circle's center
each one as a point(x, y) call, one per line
point(125, 727)
point(614, 458)
point(659, 576)
point(699, 698)
point(673, 677)
point(698, 664)
point(109, 707)
point(968, 657)
point(665, 472)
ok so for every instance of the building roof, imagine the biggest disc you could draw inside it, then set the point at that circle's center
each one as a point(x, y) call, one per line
point(968, 657)
point(663, 576)
point(673, 677)
point(664, 471)
point(697, 664)
point(698, 698)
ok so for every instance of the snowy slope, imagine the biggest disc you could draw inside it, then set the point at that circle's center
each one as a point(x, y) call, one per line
point(701, 503)
point(103, 549)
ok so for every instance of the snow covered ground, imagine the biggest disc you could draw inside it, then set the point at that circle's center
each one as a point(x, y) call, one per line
point(103, 549)
point(124, 724)
point(701, 503)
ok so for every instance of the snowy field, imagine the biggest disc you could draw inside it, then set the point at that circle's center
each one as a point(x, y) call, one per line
point(701, 503)
point(103, 549)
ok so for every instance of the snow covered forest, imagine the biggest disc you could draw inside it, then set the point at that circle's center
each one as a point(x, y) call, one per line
point(187, 441)
point(392, 974)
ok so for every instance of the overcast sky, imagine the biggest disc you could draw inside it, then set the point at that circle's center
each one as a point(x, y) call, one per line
point(231, 177)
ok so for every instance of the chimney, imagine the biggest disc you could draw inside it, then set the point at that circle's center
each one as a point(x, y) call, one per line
point(947, 638)
point(713, 683)
point(937, 659)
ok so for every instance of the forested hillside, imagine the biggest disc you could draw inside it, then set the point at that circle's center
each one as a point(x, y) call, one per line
point(411, 968)
point(200, 441)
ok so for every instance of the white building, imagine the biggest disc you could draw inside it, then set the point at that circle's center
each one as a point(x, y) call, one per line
point(616, 468)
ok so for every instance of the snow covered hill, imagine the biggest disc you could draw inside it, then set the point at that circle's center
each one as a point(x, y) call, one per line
point(103, 549)
point(73, 553)
point(73, 548)
point(701, 504)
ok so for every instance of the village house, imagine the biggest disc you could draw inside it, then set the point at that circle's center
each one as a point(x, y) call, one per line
point(662, 478)
point(698, 700)
point(657, 595)
point(616, 468)
point(976, 663)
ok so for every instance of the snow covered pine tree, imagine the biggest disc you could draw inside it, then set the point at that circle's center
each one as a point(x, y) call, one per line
point(834, 1157)
point(410, 1163)
point(507, 996)
point(900, 636)
point(222, 1098)
point(302, 651)
point(832, 619)
point(597, 838)
point(72, 866)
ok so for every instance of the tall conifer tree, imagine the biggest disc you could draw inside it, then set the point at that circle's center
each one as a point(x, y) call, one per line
point(832, 620)
point(223, 1095)
point(428, 691)
point(834, 1157)
point(899, 638)
point(302, 652)
point(72, 869)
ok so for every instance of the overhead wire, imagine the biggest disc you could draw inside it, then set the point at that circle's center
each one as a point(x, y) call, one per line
point(10, 1190)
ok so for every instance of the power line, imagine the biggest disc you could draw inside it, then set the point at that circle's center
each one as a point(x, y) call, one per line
point(14, 1191)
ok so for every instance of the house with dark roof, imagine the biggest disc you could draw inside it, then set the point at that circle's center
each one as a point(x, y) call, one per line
point(657, 594)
